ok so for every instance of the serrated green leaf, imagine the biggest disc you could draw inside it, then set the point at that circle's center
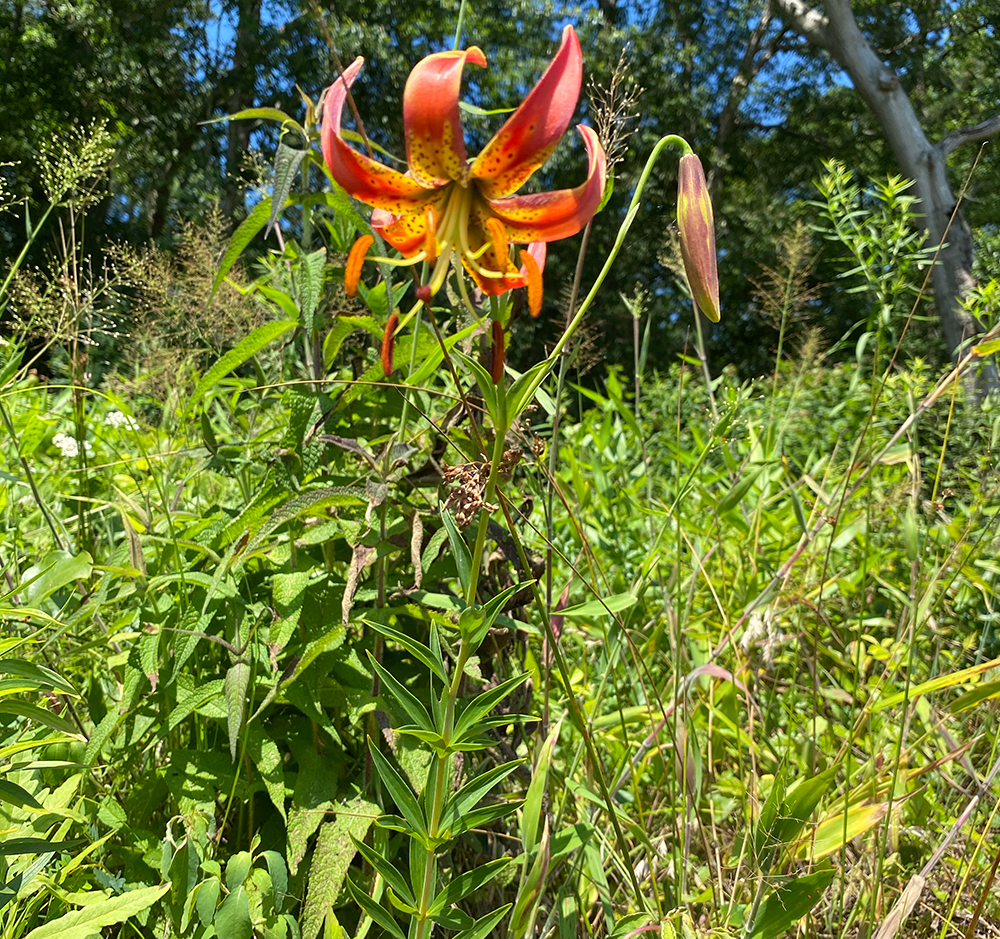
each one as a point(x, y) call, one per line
point(243, 235)
point(262, 336)
point(237, 682)
point(286, 165)
point(89, 920)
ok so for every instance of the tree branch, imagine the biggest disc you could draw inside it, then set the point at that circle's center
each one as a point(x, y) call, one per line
point(807, 22)
point(976, 134)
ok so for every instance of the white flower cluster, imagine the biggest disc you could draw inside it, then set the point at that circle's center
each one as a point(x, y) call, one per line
point(70, 446)
point(764, 633)
point(119, 420)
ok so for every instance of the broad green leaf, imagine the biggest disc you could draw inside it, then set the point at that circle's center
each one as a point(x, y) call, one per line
point(88, 921)
point(232, 919)
point(237, 868)
point(331, 858)
point(484, 927)
point(57, 570)
point(262, 336)
point(788, 904)
point(278, 870)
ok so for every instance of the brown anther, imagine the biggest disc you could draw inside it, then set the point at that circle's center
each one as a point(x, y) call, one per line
point(389, 344)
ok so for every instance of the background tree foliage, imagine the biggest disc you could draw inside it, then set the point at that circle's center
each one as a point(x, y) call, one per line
point(761, 104)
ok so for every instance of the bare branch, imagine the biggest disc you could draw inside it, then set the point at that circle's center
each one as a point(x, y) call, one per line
point(976, 134)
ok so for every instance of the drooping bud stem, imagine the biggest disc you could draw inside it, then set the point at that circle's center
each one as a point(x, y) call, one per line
point(352, 272)
point(499, 353)
point(389, 344)
point(534, 283)
point(696, 223)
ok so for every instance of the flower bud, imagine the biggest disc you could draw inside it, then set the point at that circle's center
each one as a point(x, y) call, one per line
point(697, 232)
point(389, 344)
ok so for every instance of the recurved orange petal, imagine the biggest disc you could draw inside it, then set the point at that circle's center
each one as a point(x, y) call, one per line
point(374, 184)
point(408, 233)
point(435, 145)
point(531, 133)
point(508, 276)
point(549, 216)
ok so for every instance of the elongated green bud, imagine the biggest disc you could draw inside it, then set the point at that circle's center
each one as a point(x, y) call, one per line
point(697, 230)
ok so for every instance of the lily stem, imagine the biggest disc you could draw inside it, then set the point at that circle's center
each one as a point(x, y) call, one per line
point(499, 441)
point(424, 925)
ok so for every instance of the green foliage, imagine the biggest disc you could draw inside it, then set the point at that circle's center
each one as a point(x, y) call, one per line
point(296, 650)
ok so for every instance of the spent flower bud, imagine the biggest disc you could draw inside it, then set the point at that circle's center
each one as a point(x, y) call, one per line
point(696, 223)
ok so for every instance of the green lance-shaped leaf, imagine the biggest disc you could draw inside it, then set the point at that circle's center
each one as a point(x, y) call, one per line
point(475, 622)
point(257, 340)
point(401, 793)
point(417, 649)
point(40, 715)
point(90, 920)
point(486, 386)
point(460, 550)
point(16, 795)
point(481, 705)
point(45, 677)
point(470, 795)
point(310, 284)
point(531, 889)
point(532, 815)
point(485, 926)
point(237, 682)
point(243, 235)
point(409, 703)
point(466, 883)
point(387, 872)
point(376, 912)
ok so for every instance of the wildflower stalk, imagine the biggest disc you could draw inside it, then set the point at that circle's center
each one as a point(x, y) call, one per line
point(499, 440)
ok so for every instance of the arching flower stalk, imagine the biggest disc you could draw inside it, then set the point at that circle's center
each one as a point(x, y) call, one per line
point(447, 207)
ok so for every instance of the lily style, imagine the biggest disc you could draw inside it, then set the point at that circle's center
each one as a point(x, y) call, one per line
point(446, 206)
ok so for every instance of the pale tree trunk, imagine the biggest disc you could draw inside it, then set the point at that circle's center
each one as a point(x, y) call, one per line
point(833, 27)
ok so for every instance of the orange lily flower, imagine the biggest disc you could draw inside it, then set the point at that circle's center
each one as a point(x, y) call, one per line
point(447, 205)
